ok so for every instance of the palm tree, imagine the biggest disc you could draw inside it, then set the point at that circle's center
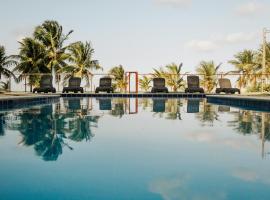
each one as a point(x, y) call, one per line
point(245, 63)
point(51, 35)
point(172, 75)
point(81, 63)
point(144, 83)
point(208, 71)
point(31, 60)
point(118, 73)
point(5, 63)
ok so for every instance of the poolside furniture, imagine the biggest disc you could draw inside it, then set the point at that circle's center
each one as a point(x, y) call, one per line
point(105, 104)
point(193, 85)
point(74, 85)
point(159, 86)
point(226, 87)
point(159, 105)
point(105, 85)
point(193, 105)
point(45, 85)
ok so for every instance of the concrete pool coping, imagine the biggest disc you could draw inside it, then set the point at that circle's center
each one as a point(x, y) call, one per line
point(17, 96)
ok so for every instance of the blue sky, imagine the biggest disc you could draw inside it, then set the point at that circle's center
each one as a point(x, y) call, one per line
point(145, 34)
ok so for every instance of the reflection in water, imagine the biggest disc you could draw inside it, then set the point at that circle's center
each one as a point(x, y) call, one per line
point(193, 105)
point(119, 107)
point(224, 109)
point(105, 104)
point(2, 124)
point(159, 105)
point(51, 127)
point(208, 115)
point(214, 152)
point(48, 128)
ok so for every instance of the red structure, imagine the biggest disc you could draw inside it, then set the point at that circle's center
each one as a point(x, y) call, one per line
point(128, 76)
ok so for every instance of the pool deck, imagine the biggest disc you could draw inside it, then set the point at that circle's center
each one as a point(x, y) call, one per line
point(22, 95)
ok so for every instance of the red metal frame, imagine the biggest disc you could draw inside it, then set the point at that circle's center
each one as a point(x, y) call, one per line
point(136, 80)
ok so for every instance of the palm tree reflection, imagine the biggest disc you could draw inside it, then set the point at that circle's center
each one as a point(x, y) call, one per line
point(49, 130)
point(208, 114)
point(170, 108)
point(118, 108)
point(44, 130)
point(2, 124)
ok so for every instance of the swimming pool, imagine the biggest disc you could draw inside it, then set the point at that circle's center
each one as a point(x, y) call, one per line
point(128, 148)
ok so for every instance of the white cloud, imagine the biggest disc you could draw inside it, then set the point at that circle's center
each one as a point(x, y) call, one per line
point(219, 40)
point(203, 45)
point(175, 3)
point(239, 37)
point(250, 9)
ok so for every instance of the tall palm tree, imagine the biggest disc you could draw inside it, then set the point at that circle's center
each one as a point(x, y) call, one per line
point(144, 83)
point(118, 73)
point(245, 63)
point(31, 60)
point(172, 75)
point(51, 35)
point(81, 62)
point(5, 63)
point(208, 71)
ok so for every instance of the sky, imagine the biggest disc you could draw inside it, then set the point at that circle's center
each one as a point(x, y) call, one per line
point(145, 34)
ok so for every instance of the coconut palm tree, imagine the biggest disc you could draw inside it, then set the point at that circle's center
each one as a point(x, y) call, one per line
point(172, 75)
point(144, 83)
point(5, 63)
point(118, 74)
point(51, 35)
point(31, 60)
point(81, 62)
point(208, 71)
point(245, 63)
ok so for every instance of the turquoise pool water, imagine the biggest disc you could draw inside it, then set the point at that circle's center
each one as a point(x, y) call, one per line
point(134, 149)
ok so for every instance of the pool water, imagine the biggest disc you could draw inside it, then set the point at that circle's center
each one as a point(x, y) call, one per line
point(88, 148)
